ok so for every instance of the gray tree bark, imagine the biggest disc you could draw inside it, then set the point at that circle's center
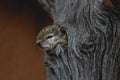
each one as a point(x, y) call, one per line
point(93, 30)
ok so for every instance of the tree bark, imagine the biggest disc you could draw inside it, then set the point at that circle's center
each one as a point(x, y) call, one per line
point(93, 30)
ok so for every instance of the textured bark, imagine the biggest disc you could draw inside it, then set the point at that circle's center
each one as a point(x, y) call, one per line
point(93, 30)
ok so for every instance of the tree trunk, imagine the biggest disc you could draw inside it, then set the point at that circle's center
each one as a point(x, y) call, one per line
point(93, 30)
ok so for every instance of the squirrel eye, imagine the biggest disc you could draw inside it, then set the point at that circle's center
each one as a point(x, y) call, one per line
point(50, 36)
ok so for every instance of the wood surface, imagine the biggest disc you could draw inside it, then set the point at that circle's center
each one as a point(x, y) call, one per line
point(93, 30)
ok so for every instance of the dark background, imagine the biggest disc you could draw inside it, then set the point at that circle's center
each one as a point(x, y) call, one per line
point(20, 58)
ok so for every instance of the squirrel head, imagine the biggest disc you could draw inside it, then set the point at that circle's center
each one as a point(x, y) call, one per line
point(50, 36)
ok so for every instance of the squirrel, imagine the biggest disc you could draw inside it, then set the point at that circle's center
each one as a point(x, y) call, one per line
point(49, 37)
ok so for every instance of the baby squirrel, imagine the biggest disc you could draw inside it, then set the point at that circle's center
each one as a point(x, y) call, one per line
point(49, 37)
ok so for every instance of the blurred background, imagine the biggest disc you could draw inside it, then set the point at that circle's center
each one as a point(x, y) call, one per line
point(20, 58)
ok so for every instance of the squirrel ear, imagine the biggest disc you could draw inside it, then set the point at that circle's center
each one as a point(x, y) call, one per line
point(62, 30)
